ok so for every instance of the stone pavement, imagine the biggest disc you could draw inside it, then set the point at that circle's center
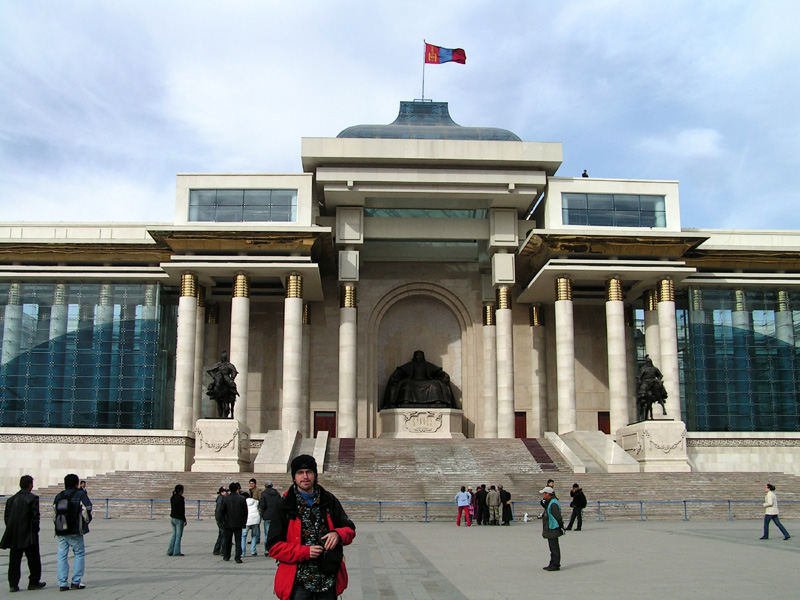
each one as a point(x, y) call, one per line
point(655, 560)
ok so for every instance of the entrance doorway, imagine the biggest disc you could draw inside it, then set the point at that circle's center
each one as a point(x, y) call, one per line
point(604, 421)
point(325, 421)
point(520, 425)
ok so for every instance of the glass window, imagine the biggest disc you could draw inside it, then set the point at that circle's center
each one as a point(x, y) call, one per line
point(613, 210)
point(78, 374)
point(237, 206)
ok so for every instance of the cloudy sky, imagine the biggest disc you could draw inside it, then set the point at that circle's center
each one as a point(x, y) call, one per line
point(103, 102)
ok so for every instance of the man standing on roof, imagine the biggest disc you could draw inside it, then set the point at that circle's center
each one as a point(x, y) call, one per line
point(307, 536)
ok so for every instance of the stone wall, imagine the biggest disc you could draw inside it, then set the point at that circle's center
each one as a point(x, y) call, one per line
point(49, 454)
point(744, 452)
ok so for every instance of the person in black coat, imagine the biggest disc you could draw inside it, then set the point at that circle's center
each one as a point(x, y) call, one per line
point(22, 535)
point(578, 504)
point(177, 516)
point(505, 506)
point(232, 513)
point(482, 514)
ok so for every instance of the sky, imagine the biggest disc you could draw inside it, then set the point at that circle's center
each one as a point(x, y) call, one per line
point(102, 103)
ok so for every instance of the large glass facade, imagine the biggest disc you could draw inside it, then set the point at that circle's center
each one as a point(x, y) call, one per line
point(740, 359)
point(87, 355)
point(613, 210)
point(243, 206)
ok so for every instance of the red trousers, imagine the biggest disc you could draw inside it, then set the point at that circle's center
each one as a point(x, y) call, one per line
point(465, 510)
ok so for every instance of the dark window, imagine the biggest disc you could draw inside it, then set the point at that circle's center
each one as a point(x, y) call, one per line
point(239, 206)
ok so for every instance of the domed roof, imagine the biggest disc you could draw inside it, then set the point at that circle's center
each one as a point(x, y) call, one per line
point(420, 120)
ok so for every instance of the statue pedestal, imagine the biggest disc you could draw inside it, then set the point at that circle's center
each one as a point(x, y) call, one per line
point(659, 446)
point(221, 446)
point(430, 423)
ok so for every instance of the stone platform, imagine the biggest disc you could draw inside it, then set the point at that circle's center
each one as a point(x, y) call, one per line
point(658, 445)
point(425, 423)
point(221, 446)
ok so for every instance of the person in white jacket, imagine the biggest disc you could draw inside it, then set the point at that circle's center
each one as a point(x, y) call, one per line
point(771, 513)
point(253, 526)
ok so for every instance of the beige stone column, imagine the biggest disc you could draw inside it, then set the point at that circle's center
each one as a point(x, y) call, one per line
point(184, 359)
point(538, 372)
point(617, 361)
point(12, 324)
point(630, 359)
point(291, 418)
point(565, 356)
point(305, 398)
point(211, 354)
point(199, 341)
point(59, 318)
point(652, 340)
point(505, 363)
point(347, 422)
point(489, 372)
point(239, 355)
point(668, 336)
point(784, 326)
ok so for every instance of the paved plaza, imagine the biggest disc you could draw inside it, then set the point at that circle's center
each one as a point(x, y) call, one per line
point(622, 560)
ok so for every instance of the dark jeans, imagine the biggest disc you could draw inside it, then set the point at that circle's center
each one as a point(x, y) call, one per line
point(555, 552)
point(230, 536)
point(301, 593)
point(576, 512)
point(15, 564)
point(220, 539)
point(767, 519)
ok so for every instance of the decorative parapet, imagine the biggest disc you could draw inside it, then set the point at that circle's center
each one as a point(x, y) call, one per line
point(129, 440)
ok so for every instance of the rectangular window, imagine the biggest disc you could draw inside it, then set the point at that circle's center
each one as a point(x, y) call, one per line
point(613, 210)
point(240, 206)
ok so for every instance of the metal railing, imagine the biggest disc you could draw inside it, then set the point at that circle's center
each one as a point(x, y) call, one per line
point(600, 510)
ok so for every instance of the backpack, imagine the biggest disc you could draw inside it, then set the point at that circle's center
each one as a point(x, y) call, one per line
point(64, 516)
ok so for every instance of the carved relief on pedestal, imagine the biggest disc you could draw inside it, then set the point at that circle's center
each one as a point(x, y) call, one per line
point(423, 421)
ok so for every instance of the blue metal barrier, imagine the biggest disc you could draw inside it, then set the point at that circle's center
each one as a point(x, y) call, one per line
point(535, 506)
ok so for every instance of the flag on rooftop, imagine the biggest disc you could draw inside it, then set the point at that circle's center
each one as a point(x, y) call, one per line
point(437, 55)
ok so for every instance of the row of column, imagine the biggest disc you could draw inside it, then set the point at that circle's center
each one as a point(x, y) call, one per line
point(192, 353)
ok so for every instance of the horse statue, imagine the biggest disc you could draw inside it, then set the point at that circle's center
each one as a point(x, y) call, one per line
point(650, 390)
point(223, 387)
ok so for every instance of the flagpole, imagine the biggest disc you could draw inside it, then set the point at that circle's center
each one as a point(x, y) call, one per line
point(423, 68)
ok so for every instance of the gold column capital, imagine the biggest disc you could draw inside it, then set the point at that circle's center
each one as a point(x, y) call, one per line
point(537, 315)
point(201, 296)
point(105, 298)
point(60, 294)
point(503, 297)
point(14, 294)
point(488, 315)
point(348, 298)
point(306, 316)
point(740, 300)
point(650, 300)
point(241, 285)
point(294, 285)
point(150, 295)
point(783, 301)
point(666, 290)
point(697, 299)
point(189, 284)
point(563, 288)
point(212, 313)
point(614, 290)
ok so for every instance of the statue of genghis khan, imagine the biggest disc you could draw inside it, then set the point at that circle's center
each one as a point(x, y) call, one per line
point(418, 383)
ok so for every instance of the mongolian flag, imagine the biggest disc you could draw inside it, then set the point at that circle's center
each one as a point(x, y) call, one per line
point(437, 55)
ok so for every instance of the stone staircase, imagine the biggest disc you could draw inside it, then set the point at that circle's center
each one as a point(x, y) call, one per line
point(404, 474)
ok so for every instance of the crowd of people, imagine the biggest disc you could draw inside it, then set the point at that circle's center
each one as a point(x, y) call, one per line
point(305, 529)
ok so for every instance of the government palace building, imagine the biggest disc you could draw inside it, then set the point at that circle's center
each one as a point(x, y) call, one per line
point(539, 295)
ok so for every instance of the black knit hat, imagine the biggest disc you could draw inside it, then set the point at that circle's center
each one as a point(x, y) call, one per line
point(304, 461)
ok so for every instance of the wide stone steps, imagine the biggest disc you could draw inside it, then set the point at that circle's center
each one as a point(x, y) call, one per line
point(397, 473)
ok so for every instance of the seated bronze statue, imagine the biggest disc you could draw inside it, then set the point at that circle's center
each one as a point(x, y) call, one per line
point(418, 384)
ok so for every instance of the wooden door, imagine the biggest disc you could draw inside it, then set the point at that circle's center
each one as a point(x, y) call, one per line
point(325, 421)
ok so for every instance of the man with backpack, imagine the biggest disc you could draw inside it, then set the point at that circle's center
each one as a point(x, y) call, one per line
point(72, 511)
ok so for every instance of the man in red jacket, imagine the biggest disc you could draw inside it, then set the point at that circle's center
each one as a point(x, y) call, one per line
point(306, 536)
